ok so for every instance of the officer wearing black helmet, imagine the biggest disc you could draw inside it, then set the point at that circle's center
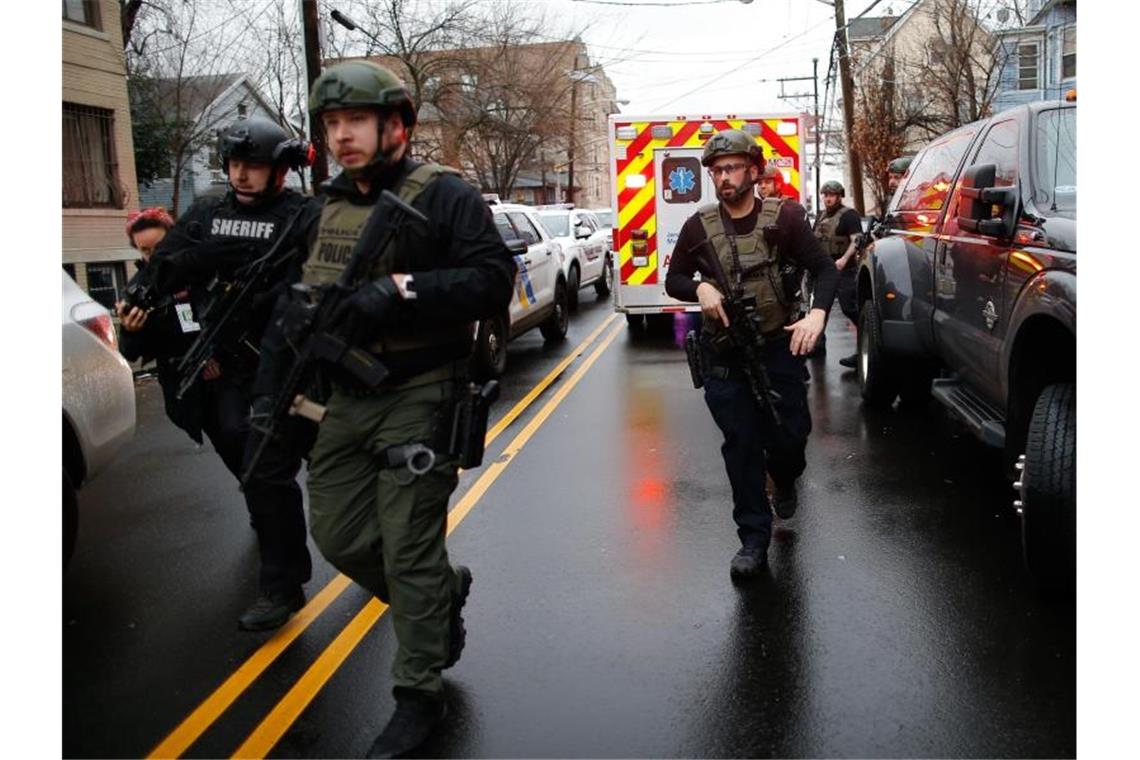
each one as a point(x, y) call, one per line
point(376, 517)
point(213, 239)
point(753, 240)
point(838, 229)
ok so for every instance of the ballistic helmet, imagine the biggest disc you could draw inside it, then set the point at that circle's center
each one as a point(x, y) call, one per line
point(731, 142)
point(262, 141)
point(899, 165)
point(831, 186)
point(361, 84)
point(772, 171)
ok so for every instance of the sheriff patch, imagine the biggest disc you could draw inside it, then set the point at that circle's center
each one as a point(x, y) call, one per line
point(243, 228)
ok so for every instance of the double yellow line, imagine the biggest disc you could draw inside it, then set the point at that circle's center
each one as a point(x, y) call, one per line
point(277, 722)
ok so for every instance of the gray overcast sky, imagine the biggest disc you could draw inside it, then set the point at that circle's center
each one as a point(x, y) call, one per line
point(709, 58)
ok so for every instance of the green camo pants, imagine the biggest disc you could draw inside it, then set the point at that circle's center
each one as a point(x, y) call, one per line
point(385, 528)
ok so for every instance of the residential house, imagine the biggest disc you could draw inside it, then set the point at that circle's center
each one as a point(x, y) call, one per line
point(558, 102)
point(209, 102)
point(98, 152)
point(1039, 60)
point(918, 55)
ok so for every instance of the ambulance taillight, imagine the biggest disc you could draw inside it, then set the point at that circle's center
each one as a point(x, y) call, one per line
point(640, 247)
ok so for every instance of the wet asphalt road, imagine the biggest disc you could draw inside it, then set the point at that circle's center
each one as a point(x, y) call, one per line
point(895, 621)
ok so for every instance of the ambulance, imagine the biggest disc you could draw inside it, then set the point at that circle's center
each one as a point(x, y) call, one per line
point(657, 182)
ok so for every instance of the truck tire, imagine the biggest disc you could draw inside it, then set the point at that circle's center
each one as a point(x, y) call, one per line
point(553, 328)
point(605, 282)
point(1048, 488)
point(70, 518)
point(490, 356)
point(878, 379)
point(637, 325)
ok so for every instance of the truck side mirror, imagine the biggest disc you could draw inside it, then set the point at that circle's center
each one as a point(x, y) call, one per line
point(517, 247)
point(980, 199)
point(581, 231)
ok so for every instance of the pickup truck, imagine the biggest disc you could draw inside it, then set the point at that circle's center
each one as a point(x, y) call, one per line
point(970, 295)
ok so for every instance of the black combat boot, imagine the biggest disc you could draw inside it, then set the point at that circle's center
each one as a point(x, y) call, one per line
point(849, 361)
point(272, 610)
point(417, 715)
point(458, 637)
point(749, 562)
point(785, 500)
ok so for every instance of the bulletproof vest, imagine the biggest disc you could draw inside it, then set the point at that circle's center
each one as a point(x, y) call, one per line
point(759, 264)
point(341, 225)
point(825, 231)
point(258, 224)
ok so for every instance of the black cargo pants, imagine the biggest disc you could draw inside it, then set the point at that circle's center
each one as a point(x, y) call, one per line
point(753, 445)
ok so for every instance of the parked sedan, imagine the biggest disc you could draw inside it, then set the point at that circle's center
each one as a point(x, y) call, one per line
point(541, 294)
point(98, 399)
point(586, 245)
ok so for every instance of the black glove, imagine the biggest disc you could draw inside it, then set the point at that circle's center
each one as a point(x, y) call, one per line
point(374, 306)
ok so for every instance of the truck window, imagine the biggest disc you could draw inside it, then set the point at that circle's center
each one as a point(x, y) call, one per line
point(929, 182)
point(1000, 148)
point(1055, 162)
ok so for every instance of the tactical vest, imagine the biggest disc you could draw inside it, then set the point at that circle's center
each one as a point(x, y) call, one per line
point(759, 264)
point(341, 224)
point(825, 226)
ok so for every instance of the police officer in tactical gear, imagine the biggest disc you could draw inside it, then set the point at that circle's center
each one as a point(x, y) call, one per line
point(838, 229)
point(896, 170)
point(213, 239)
point(753, 240)
point(771, 182)
point(375, 516)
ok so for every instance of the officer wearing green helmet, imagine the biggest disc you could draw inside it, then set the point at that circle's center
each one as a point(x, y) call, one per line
point(764, 244)
point(375, 515)
point(838, 228)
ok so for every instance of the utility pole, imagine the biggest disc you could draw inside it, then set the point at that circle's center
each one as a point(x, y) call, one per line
point(816, 164)
point(313, 65)
point(573, 127)
point(815, 93)
point(848, 106)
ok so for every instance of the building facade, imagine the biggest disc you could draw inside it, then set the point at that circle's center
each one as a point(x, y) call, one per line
point(521, 121)
point(1039, 60)
point(99, 187)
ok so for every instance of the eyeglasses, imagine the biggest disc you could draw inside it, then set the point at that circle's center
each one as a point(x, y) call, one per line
point(716, 171)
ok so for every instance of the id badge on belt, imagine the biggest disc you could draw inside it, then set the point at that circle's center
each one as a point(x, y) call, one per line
point(186, 318)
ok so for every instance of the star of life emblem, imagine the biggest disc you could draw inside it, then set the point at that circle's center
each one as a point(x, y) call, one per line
point(681, 180)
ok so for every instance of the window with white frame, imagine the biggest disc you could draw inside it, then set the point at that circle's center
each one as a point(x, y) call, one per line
point(1027, 73)
point(1069, 53)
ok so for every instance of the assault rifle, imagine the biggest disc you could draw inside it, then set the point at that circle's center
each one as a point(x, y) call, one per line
point(308, 329)
point(225, 321)
point(743, 333)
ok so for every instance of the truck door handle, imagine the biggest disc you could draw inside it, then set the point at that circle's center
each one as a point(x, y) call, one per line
point(526, 261)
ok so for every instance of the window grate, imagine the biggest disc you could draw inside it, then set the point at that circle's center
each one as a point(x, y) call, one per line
point(90, 172)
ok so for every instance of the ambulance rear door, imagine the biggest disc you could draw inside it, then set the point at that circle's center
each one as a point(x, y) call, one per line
point(682, 187)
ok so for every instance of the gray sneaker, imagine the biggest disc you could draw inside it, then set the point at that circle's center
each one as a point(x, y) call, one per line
point(749, 562)
point(785, 500)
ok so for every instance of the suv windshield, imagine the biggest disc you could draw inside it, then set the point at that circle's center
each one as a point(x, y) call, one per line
point(1055, 162)
point(558, 222)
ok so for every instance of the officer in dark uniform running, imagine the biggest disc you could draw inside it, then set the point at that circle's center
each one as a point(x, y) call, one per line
point(213, 239)
point(838, 229)
point(373, 517)
point(753, 240)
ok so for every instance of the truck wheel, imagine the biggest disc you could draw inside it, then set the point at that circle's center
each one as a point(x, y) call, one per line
point(490, 357)
point(637, 325)
point(878, 381)
point(1047, 489)
point(553, 328)
point(70, 518)
point(572, 284)
point(605, 283)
